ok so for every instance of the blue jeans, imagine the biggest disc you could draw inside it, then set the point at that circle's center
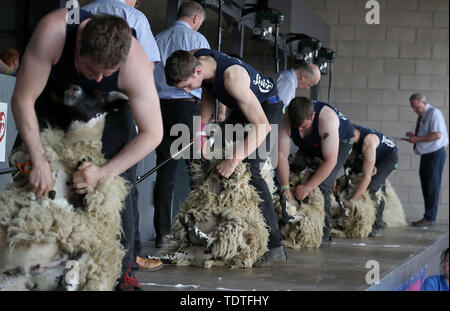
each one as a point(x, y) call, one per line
point(430, 171)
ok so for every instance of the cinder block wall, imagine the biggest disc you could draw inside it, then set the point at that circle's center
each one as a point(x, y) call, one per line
point(378, 67)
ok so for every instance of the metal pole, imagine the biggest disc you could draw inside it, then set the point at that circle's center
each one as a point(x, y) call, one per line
point(219, 27)
point(329, 83)
point(219, 46)
point(141, 178)
point(277, 59)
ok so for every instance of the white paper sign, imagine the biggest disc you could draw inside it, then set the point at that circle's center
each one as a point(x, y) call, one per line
point(3, 118)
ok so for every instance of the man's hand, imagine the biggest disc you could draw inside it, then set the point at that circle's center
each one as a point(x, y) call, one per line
point(287, 194)
point(221, 116)
point(226, 167)
point(302, 191)
point(87, 175)
point(41, 178)
point(413, 139)
point(409, 134)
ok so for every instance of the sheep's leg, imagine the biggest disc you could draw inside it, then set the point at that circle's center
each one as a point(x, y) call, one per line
point(295, 219)
point(205, 239)
point(172, 258)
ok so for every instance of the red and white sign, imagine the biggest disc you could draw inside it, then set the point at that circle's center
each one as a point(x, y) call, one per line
point(3, 118)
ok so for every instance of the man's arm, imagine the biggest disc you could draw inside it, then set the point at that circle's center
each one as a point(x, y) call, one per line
point(284, 144)
point(369, 149)
point(237, 83)
point(329, 133)
point(437, 126)
point(136, 79)
point(427, 138)
point(43, 50)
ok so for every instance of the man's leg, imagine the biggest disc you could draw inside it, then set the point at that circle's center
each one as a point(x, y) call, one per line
point(327, 187)
point(173, 112)
point(164, 186)
point(256, 161)
point(119, 129)
point(385, 167)
point(432, 176)
point(276, 253)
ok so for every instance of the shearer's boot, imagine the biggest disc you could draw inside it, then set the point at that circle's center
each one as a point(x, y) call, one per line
point(275, 256)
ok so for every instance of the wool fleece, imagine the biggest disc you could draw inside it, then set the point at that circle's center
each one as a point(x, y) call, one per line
point(50, 244)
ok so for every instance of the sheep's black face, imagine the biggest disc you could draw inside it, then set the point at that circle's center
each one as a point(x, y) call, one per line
point(84, 106)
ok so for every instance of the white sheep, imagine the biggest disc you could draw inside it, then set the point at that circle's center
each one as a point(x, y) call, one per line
point(220, 222)
point(49, 244)
point(356, 220)
point(305, 228)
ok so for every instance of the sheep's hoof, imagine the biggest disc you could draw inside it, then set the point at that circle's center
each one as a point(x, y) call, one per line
point(204, 239)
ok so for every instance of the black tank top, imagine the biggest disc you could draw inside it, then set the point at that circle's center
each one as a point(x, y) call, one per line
point(49, 105)
point(263, 87)
point(311, 144)
point(385, 147)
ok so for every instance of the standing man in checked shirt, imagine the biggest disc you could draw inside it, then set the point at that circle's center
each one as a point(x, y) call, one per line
point(140, 28)
point(430, 139)
point(177, 107)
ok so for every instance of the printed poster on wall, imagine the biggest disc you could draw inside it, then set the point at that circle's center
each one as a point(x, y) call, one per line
point(3, 115)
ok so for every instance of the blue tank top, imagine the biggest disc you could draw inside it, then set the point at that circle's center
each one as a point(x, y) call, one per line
point(385, 147)
point(49, 105)
point(312, 143)
point(263, 87)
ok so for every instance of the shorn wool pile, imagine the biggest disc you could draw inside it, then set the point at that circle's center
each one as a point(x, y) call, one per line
point(50, 244)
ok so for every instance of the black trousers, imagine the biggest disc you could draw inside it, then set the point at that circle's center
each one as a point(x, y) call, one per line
point(430, 171)
point(385, 166)
point(327, 185)
point(119, 130)
point(173, 112)
point(274, 114)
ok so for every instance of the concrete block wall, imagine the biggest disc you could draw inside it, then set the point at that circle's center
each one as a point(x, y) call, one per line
point(378, 67)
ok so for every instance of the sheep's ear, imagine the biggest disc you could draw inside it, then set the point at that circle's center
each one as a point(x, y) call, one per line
point(348, 171)
point(115, 95)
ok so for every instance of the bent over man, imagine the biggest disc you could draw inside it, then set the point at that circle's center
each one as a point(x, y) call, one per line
point(372, 149)
point(100, 55)
point(319, 130)
point(253, 99)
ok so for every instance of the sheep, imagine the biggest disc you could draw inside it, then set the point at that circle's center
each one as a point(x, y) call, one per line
point(357, 219)
point(50, 244)
point(220, 222)
point(305, 228)
point(393, 214)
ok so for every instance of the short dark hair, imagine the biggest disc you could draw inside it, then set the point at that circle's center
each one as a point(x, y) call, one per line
point(190, 9)
point(107, 40)
point(180, 67)
point(300, 109)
